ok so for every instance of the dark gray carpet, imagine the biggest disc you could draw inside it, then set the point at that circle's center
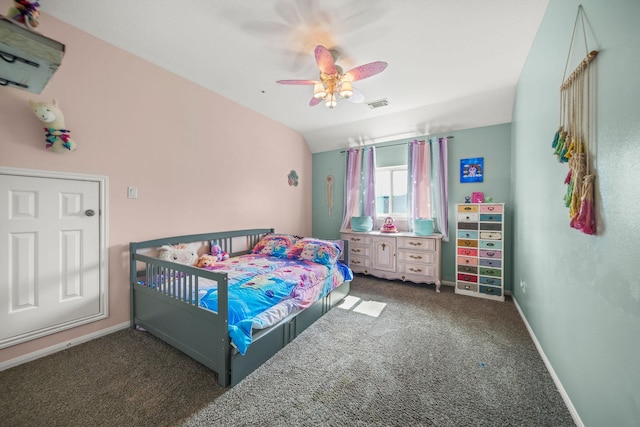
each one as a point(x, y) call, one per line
point(428, 359)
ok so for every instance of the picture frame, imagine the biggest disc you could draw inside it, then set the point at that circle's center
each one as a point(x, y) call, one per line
point(472, 169)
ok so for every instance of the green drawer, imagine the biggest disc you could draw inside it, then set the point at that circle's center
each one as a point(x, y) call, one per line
point(493, 272)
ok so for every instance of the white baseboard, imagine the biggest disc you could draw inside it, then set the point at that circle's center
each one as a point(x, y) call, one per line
point(556, 380)
point(62, 346)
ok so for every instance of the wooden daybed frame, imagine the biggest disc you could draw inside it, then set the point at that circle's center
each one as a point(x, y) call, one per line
point(171, 315)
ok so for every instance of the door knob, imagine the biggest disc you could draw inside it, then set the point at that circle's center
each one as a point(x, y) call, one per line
point(89, 212)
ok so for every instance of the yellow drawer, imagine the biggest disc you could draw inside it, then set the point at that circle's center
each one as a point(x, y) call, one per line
point(467, 208)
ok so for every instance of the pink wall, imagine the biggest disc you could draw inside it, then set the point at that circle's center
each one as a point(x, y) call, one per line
point(201, 162)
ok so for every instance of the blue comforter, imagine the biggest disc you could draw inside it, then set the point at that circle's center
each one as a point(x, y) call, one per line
point(264, 289)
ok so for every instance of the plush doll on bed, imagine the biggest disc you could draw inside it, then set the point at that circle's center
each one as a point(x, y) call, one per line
point(181, 254)
point(218, 253)
point(206, 260)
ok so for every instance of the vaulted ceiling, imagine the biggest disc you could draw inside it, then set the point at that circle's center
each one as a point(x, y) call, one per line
point(453, 64)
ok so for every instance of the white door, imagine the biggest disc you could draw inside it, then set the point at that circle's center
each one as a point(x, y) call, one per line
point(50, 255)
point(384, 253)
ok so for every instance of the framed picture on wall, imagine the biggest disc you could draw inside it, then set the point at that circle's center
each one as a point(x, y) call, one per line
point(471, 170)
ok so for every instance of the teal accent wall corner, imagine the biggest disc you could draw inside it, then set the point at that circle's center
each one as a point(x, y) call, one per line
point(580, 293)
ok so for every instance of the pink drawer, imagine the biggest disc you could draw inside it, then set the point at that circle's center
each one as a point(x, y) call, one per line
point(467, 252)
point(489, 208)
point(464, 260)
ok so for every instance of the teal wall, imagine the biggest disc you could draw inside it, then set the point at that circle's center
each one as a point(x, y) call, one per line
point(491, 142)
point(582, 294)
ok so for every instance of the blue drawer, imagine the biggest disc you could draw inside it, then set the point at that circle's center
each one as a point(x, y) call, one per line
point(490, 290)
point(491, 217)
point(485, 280)
point(491, 244)
point(468, 234)
point(488, 262)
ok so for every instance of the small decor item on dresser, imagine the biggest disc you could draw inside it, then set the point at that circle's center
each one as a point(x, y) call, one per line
point(423, 226)
point(477, 197)
point(361, 223)
point(388, 226)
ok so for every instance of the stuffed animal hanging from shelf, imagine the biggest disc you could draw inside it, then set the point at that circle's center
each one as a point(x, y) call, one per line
point(57, 136)
point(25, 12)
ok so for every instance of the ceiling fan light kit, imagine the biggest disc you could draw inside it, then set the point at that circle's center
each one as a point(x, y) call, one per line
point(333, 83)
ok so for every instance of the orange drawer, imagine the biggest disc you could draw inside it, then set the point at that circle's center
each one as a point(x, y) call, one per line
point(468, 243)
point(467, 252)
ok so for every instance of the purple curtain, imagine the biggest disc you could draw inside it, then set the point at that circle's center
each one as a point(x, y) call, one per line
point(428, 194)
point(419, 178)
point(439, 153)
point(369, 208)
point(359, 194)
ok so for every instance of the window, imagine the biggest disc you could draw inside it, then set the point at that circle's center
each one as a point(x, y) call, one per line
point(391, 191)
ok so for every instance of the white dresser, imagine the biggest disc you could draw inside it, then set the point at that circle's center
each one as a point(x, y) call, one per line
point(402, 255)
point(480, 250)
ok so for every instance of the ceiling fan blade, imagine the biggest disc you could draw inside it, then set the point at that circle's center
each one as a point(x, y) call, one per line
point(315, 101)
point(364, 71)
point(324, 59)
point(297, 82)
point(357, 97)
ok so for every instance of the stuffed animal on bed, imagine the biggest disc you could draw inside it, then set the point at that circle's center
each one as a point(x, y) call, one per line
point(181, 254)
point(218, 253)
point(206, 260)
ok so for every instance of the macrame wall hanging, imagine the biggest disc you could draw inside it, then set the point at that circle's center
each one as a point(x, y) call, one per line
point(574, 142)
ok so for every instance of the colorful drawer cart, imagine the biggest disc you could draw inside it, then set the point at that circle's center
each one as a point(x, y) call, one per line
point(480, 250)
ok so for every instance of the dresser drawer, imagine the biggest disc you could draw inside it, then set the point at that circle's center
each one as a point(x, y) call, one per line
point(356, 239)
point(468, 277)
point(468, 217)
point(465, 260)
point(487, 262)
point(468, 243)
point(359, 250)
point(417, 243)
point(490, 290)
point(467, 269)
point(487, 244)
point(416, 257)
point(489, 208)
point(467, 234)
point(467, 226)
point(359, 262)
point(484, 253)
point(494, 226)
point(467, 252)
point(489, 271)
point(467, 208)
point(491, 217)
point(491, 235)
point(493, 281)
point(417, 269)
point(473, 287)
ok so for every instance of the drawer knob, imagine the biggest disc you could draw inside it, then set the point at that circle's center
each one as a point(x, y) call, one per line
point(355, 239)
point(415, 270)
point(415, 243)
point(415, 257)
point(355, 262)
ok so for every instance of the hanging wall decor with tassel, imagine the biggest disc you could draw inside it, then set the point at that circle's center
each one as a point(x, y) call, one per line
point(574, 143)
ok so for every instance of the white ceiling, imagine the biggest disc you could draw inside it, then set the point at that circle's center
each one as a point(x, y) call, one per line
point(453, 64)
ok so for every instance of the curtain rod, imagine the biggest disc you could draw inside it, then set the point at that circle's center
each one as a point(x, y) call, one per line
point(396, 144)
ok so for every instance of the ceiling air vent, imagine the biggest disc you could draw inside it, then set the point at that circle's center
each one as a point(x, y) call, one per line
point(379, 103)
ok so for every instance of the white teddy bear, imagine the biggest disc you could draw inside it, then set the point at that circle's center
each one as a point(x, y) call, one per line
point(180, 254)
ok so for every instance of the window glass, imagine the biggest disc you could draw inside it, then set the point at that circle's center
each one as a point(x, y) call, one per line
point(391, 191)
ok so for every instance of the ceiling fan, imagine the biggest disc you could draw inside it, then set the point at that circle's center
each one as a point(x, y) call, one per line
point(334, 82)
